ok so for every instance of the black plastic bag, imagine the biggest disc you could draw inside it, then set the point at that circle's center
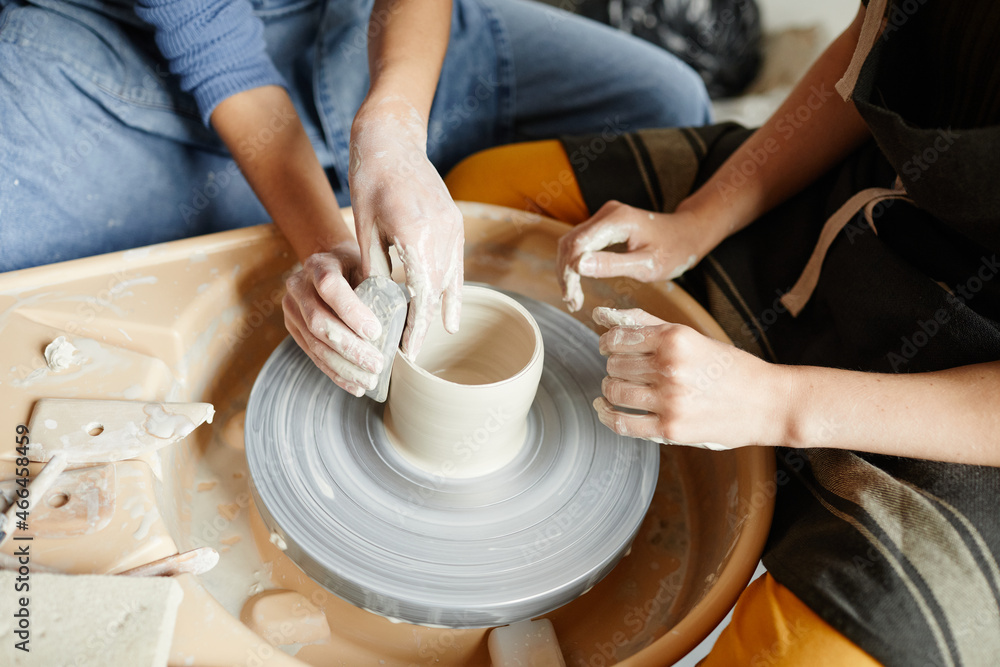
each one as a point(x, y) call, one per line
point(720, 39)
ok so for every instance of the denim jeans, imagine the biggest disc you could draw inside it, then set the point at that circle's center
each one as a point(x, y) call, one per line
point(101, 151)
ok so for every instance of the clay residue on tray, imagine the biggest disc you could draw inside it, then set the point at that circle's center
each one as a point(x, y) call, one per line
point(59, 354)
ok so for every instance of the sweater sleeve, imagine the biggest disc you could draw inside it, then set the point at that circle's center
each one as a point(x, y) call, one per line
point(216, 47)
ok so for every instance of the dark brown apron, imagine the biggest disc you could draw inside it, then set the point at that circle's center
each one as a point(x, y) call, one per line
point(900, 555)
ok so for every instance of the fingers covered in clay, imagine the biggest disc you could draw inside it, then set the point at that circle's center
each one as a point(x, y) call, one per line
point(639, 265)
point(634, 367)
point(631, 317)
point(329, 278)
point(689, 388)
point(658, 246)
point(633, 394)
point(423, 306)
point(624, 423)
point(329, 322)
point(578, 246)
point(452, 303)
point(641, 339)
point(345, 375)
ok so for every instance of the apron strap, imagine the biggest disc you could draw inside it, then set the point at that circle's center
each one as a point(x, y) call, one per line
point(797, 297)
point(870, 30)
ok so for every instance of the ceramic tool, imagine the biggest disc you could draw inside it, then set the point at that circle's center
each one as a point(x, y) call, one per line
point(196, 561)
point(65, 431)
point(89, 431)
point(36, 490)
point(387, 301)
point(80, 502)
point(478, 552)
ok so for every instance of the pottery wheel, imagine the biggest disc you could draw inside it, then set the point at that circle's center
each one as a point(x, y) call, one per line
point(412, 546)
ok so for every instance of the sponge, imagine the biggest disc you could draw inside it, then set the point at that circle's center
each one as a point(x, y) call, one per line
point(88, 620)
point(526, 644)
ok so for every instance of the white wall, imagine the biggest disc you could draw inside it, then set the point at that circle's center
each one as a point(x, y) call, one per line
point(833, 15)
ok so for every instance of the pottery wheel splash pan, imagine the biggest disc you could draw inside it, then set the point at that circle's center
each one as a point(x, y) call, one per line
point(409, 545)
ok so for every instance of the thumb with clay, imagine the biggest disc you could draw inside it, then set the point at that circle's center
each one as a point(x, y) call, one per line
point(330, 323)
point(672, 385)
point(657, 246)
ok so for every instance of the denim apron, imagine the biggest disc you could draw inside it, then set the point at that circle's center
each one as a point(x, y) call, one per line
point(319, 46)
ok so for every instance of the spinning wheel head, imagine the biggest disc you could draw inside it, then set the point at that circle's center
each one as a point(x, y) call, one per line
point(410, 543)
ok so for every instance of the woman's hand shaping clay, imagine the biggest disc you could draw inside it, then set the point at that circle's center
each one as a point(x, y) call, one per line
point(400, 200)
point(330, 323)
point(660, 246)
point(694, 390)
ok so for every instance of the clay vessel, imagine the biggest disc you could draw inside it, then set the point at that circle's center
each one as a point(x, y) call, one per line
point(459, 409)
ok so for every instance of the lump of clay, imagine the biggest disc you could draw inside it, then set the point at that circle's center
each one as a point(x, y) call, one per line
point(232, 432)
point(285, 617)
point(59, 354)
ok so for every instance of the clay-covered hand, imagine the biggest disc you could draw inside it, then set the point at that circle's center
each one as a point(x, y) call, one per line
point(694, 390)
point(659, 246)
point(330, 323)
point(400, 200)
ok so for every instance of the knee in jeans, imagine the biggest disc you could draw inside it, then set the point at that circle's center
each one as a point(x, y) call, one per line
point(674, 97)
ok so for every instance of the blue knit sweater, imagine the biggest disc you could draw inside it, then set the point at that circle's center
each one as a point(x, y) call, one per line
point(216, 47)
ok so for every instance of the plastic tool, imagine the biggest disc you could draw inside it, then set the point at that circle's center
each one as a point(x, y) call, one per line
point(388, 302)
point(196, 561)
point(97, 431)
point(38, 488)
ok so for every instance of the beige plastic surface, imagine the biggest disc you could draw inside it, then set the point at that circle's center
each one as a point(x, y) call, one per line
point(89, 431)
point(194, 320)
